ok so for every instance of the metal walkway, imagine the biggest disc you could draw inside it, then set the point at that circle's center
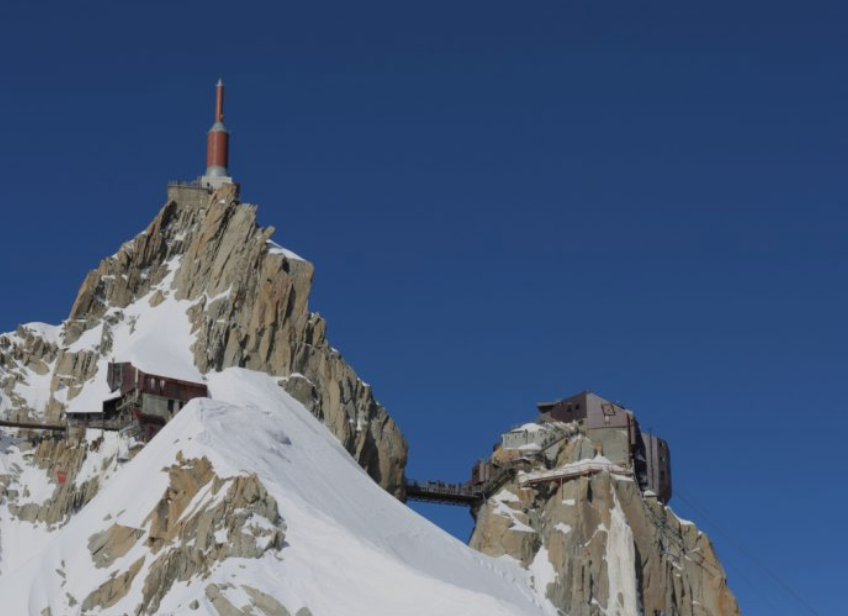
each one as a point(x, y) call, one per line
point(569, 471)
point(443, 493)
point(461, 494)
point(32, 426)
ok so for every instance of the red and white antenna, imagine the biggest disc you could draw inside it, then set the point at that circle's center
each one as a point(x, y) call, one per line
point(218, 139)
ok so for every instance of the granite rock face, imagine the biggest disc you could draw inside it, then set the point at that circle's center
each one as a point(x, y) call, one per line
point(200, 521)
point(46, 482)
point(248, 307)
point(27, 361)
point(596, 545)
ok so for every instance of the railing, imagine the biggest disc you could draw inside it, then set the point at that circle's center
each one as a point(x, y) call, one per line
point(461, 493)
point(33, 426)
point(575, 469)
point(552, 437)
point(441, 492)
point(130, 400)
point(495, 481)
point(186, 184)
point(96, 421)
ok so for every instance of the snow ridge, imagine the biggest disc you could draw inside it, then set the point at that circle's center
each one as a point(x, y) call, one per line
point(343, 531)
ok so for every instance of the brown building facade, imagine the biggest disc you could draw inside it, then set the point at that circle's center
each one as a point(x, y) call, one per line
point(616, 433)
point(151, 400)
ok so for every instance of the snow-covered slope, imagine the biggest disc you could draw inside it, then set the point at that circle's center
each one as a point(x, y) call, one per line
point(350, 548)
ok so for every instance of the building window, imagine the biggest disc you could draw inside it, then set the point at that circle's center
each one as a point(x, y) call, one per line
point(170, 406)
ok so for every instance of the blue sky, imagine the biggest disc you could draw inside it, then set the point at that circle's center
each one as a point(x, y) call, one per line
point(505, 203)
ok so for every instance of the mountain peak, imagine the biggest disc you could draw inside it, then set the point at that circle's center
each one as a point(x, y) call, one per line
point(256, 499)
point(203, 288)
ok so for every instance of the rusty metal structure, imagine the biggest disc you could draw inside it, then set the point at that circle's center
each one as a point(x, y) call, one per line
point(148, 400)
point(656, 475)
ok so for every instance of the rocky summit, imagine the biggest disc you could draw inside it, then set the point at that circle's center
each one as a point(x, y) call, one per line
point(247, 303)
point(596, 543)
point(271, 481)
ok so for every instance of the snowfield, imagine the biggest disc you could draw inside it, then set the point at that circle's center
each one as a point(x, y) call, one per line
point(350, 548)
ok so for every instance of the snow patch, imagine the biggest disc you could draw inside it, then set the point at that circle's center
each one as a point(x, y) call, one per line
point(621, 564)
point(275, 249)
point(500, 505)
point(97, 460)
point(51, 334)
point(597, 464)
point(542, 571)
point(682, 521)
point(529, 427)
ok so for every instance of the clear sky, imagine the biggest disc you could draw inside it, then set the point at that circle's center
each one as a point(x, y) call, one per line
point(506, 202)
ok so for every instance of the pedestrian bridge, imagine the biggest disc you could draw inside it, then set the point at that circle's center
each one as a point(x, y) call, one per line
point(461, 494)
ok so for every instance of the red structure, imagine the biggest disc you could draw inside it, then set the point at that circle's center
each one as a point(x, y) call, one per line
point(150, 400)
point(218, 139)
point(127, 378)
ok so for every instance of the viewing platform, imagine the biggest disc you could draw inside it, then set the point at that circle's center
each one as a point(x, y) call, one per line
point(461, 494)
point(570, 471)
point(442, 493)
point(23, 425)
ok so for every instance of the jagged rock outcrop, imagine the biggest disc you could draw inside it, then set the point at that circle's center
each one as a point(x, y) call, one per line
point(246, 299)
point(260, 602)
point(27, 359)
point(200, 521)
point(598, 546)
point(594, 544)
point(43, 483)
